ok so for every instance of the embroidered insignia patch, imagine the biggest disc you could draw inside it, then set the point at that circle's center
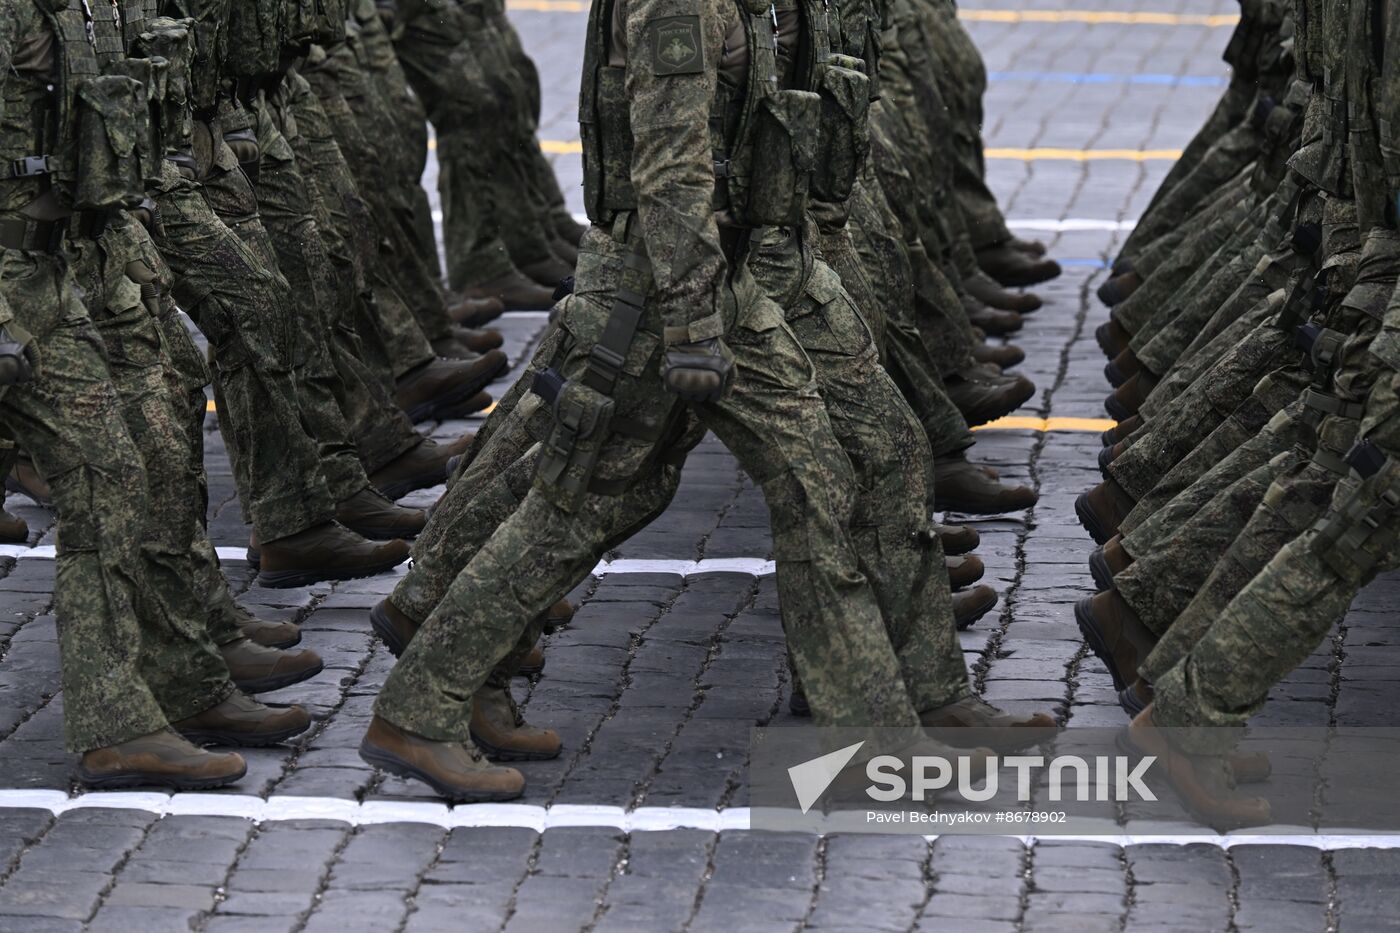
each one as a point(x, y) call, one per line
point(675, 46)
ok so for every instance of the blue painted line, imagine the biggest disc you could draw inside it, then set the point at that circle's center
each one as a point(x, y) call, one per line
point(1075, 77)
point(1087, 263)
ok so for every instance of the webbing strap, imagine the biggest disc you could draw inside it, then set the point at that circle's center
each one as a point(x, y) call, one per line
point(1321, 401)
point(609, 354)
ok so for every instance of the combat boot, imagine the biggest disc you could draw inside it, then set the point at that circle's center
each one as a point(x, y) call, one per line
point(532, 663)
point(1128, 398)
point(161, 759)
point(454, 770)
point(437, 385)
point(255, 669)
point(270, 634)
point(1119, 288)
point(502, 733)
point(1031, 247)
point(422, 467)
point(242, 721)
point(971, 605)
point(558, 615)
point(1201, 782)
point(984, 289)
point(330, 551)
point(13, 529)
point(1113, 338)
point(454, 347)
point(478, 402)
point(1122, 367)
point(1121, 431)
point(566, 251)
point(1102, 509)
point(961, 486)
point(548, 272)
point(475, 312)
point(393, 626)
point(1016, 268)
point(973, 721)
point(964, 571)
point(478, 340)
point(982, 396)
point(517, 291)
point(378, 518)
point(1109, 561)
point(1004, 356)
point(990, 320)
point(957, 539)
point(1135, 697)
point(26, 480)
point(1114, 632)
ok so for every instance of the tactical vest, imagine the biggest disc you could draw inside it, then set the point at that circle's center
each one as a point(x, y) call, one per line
point(255, 38)
point(171, 40)
point(320, 22)
point(210, 19)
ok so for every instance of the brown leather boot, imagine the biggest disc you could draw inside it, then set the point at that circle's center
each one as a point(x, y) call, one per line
point(161, 759)
point(972, 721)
point(983, 396)
point(1015, 268)
point(477, 339)
point(503, 734)
point(992, 321)
point(1121, 430)
point(1114, 632)
point(481, 401)
point(516, 290)
point(270, 634)
point(243, 721)
point(559, 615)
point(255, 669)
point(957, 539)
point(548, 272)
point(1201, 782)
point(1119, 288)
point(1109, 561)
point(1135, 697)
point(566, 251)
point(452, 347)
point(453, 770)
point(960, 486)
point(1123, 366)
point(393, 626)
point(421, 467)
point(1102, 509)
point(1033, 247)
point(1113, 337)
point(986, 290)
point(26, 480)
point(964, 571)
point(570, 230)
point(475, 311)
point(1002, 355)
point(438, 385)
point(13, 529)
point(532, 663)
point(1128, 398)
point(379, 518)
point(329, 551)
point(971, 605)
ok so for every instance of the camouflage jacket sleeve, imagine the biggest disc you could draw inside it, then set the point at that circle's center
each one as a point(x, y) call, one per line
point(10, 14)
point(673, 52)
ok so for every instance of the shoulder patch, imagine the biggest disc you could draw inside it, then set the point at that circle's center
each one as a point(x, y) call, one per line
point(676, 48)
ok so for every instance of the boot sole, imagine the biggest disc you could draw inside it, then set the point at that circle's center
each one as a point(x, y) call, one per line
point(1105, 458)
point(1027, 280)
point(1089, 520)
point(497, 753)
point(1099, 570)
point(146, 779)
point(290, 579)
point(1094, 639)
point(1114, 377)
point(426, 411)
point(1130, 703)
point(397, 490)
point(1013, 402)
point(529, 671)
point(385, 630)
point(269, 684)
point(1102, 336)
point(242, 739)
point(972, 619)
point(397, 766)
point(1116, 409)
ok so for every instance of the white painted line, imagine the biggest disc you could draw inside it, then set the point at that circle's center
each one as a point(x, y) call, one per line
point(530, 816)
point(1071, 225)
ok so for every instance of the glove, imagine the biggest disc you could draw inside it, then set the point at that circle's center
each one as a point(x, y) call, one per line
point(19, 359)
point(698, 372)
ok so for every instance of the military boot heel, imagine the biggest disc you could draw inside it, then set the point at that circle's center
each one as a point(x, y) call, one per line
point(1115, 634)
point(393, 627)
point(161, 759)
point(242, 721)
point(503, 734)
point(453, 770)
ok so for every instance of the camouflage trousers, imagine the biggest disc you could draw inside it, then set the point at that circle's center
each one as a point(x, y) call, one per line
point(233, 297)
point(776, 424)
point(129, 664)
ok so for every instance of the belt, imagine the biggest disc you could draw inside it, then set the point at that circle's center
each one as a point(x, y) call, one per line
point(38, 236)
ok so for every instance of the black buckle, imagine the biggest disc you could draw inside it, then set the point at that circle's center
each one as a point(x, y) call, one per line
point(30, 166)
point(605, 362)
point(722, 168)
point(547, 385)
point(564, 289)
point(1365, 458)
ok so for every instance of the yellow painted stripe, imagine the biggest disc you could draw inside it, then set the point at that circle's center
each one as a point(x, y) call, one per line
point(1088, 17)
point(1085, 155)
point(1022, 423)
point(561, 146)
point(1100, 17)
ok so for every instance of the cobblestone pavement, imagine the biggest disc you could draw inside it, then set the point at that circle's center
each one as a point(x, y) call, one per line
point(657, 681)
